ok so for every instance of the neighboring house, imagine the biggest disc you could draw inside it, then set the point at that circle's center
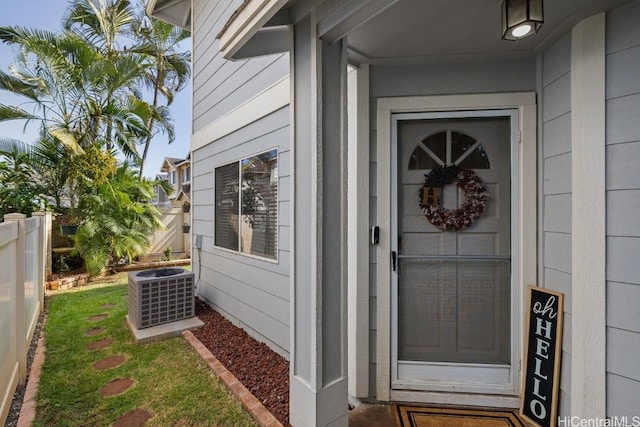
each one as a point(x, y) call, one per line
point(178, 173)
point(175, 208)
point(161, 198)
point(288, 194)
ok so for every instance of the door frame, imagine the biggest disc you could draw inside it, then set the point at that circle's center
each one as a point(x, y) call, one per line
point(524, 219)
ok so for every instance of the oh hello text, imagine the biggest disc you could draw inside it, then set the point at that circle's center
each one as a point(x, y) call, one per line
point(543, 329)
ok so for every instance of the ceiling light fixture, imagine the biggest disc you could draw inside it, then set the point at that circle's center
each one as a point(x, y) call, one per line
point(521, 18)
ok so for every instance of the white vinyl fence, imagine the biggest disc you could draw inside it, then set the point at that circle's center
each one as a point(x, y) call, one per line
point(23, 264)
point(172, 236)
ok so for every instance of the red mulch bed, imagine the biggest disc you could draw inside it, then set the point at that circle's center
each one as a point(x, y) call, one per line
point(261, 370)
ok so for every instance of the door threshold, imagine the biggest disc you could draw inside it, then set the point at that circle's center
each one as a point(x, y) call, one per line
point(456, 399)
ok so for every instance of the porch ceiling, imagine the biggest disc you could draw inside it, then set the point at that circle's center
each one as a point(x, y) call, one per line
point(457, 30)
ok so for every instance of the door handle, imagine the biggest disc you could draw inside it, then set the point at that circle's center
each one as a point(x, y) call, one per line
point(394, 260)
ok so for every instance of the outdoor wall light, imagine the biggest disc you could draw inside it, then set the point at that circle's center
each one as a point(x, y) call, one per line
point(521, 18)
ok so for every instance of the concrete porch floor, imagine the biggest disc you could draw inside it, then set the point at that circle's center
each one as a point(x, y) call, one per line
point(371, 415)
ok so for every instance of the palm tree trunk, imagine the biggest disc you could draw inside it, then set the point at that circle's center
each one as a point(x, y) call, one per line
point(147, 143)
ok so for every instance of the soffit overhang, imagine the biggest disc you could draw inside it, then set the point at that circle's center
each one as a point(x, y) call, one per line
point(401, 31)
point(176, 12)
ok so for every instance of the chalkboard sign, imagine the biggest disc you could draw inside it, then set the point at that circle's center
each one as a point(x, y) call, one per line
point(542, 357)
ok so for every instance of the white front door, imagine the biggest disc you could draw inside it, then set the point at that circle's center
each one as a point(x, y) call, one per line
point(453, 310)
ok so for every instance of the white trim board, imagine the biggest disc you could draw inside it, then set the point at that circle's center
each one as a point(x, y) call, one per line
point(358, 236)
point(266, 102)
point(588, 207)
point(525, 103)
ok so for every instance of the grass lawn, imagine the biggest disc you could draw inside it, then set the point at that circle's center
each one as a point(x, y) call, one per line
point(170, 380)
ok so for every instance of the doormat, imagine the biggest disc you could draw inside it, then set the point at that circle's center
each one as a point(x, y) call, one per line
point(422, 416)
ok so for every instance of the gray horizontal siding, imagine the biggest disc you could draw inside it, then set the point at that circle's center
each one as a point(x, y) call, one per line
point(557, 213)
point(622, 306)
point(557, 174)
point(220, 86)
point(626, 392)
point(239, 84)
point(561, 282)
point(420, 80)
point(555, 111)
point(623, 206)
point(252, 292)
point(444, 79)
point(625, 157)
point(557, 253)
point(557, 136)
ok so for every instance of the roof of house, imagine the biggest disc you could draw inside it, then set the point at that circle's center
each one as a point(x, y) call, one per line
point(170, 163)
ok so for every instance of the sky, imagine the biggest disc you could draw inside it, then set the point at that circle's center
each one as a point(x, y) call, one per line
point(47, 14)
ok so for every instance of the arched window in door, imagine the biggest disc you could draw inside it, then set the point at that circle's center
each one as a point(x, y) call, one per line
point(449, 147)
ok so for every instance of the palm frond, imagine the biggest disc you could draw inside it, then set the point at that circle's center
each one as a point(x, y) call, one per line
point(67, 138)
point(14, 113)
point(18, 86)
point(10, 145)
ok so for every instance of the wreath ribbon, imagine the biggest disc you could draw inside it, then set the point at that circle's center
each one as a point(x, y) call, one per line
point(474, 202)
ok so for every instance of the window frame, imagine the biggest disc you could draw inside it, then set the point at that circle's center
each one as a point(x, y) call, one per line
point(238, 251)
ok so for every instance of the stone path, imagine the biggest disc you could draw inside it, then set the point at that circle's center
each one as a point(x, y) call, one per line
point(137, 417)
point(116, 387)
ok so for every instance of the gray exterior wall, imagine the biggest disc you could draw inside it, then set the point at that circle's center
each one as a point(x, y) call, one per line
point(220, 85)
point(440, 79)
point(623, 209)
point(252, 292)
point(555, 118)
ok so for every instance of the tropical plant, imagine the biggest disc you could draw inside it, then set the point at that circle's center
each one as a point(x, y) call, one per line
point(109, 24)
point(84, 89)
point(121, 222)
point(167, 73)
point(20, 190)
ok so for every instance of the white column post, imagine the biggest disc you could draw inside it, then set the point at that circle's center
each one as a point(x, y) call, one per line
point(358, 236)
point(21, 329)
point(588, 207)
point(318, 376)
point(44, 254)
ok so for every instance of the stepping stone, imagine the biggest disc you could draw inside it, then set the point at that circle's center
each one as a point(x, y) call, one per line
point(109, 362)
point(97, 345)
point(94, 331)
point(116, 387)
point(135, 418)
point(98, 317)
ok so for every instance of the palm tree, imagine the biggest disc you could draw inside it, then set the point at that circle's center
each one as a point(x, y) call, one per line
point(82, 88)
point(100, 23)
point(108, 24)
point(80, 97)
point(122, 221)
point(168, 71)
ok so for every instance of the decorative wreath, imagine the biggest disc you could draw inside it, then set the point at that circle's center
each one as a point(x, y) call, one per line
point(474, 202)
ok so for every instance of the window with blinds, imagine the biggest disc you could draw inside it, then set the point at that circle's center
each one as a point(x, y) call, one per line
point(247, 205)
point(226, 217)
